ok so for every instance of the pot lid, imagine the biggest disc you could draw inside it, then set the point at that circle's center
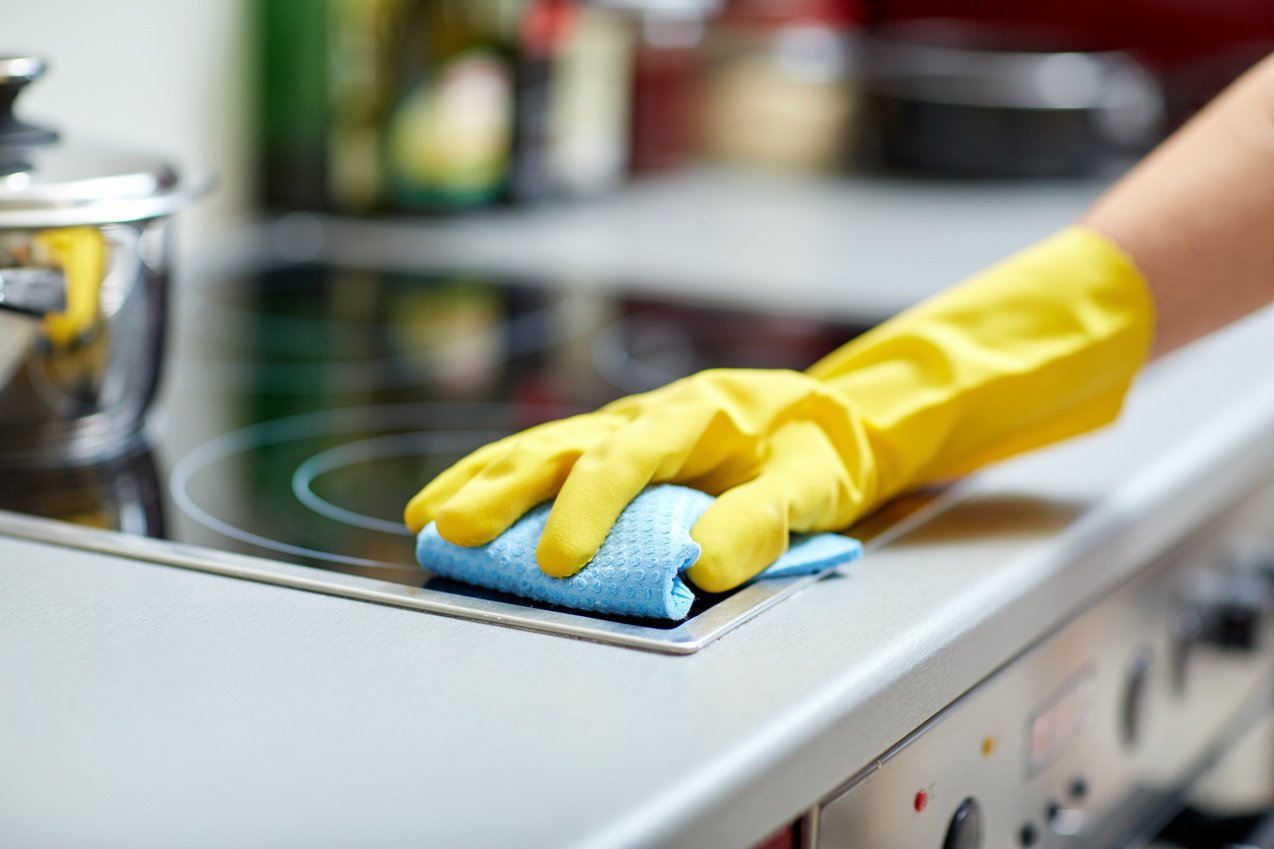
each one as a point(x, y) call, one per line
point(47, 182)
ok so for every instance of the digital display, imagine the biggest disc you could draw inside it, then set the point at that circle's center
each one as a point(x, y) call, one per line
point(1059, 721)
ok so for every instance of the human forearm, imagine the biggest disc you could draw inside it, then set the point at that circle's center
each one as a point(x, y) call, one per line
point(1196, 215)
point(1037, 348)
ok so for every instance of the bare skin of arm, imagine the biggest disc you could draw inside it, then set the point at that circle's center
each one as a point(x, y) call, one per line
point(1197, 215)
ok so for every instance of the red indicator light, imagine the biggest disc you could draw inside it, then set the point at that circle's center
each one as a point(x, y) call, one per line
point(922, 801)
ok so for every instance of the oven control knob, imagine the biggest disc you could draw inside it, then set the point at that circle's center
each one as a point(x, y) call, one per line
point(965, 831)
point(1187, 631)
point(1132, 710)
point(1236, 611)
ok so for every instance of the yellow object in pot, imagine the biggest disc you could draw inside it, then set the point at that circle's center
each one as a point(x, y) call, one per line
point(81, 252)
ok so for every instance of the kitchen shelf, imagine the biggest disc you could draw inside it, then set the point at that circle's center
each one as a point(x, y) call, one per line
point(856, 247)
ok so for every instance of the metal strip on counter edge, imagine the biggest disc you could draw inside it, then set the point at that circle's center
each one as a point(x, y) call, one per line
point(687, 638)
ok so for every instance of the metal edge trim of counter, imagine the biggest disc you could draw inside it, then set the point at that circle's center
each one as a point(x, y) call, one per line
point(686, 638)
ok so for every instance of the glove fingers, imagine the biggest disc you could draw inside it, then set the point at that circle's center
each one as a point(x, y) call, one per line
point(477, 503)
point(605, 480)
point(424, 505)
point(805, 467)
point(500, 494)
point(800, 488)
point(745, 530)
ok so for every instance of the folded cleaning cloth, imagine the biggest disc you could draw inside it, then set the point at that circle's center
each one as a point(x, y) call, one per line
point(636, 572)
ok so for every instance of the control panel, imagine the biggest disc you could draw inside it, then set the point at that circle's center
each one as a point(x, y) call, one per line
point(1084, 737)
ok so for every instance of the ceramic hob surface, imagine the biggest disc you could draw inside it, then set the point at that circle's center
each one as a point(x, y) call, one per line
point(309, 403)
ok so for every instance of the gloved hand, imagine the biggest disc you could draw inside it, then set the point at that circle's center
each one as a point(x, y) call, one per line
point(784, 450)
point(1038, 348)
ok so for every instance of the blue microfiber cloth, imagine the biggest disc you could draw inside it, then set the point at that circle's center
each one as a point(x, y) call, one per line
point(637, 571)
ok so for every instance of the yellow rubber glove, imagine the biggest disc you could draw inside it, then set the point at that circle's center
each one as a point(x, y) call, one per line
point(1038, 348)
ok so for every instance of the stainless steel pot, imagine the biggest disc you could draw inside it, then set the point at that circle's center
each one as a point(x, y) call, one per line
point(976, 99)
point(84, 256)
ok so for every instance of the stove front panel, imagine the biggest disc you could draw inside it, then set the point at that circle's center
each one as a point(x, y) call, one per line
point(1091, 737)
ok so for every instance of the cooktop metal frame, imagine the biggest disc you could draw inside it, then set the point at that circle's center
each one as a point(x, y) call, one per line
point(688, 637)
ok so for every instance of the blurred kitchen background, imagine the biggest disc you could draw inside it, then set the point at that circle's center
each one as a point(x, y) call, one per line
point(494, 109)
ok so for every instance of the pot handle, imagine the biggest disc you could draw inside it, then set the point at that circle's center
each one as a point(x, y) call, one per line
point(35, 291)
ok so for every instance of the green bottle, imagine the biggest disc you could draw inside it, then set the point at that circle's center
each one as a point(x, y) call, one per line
point(292, 103)
point(448, 142)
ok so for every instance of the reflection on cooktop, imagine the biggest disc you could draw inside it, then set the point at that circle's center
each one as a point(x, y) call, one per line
point(125, 494)
point(328, 487)
point(310, 402)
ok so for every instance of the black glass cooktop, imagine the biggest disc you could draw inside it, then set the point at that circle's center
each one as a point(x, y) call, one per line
point(308, 403)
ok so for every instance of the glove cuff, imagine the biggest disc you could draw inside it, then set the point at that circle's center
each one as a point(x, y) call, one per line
point(1037, 348)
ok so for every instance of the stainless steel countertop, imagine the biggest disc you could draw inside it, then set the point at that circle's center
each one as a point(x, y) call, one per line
point(151, 706)
point(144, 705)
